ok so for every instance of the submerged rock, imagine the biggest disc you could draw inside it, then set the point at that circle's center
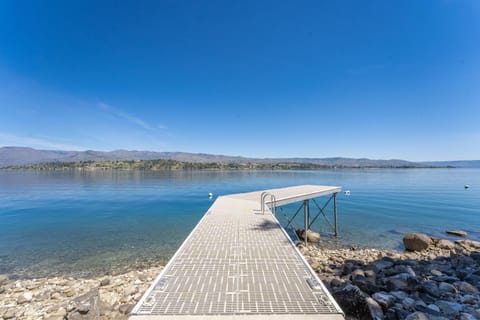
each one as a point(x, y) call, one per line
point(458, 233)
point(312, 236)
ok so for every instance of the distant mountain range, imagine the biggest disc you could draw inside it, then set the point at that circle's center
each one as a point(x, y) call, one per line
point(19, 156)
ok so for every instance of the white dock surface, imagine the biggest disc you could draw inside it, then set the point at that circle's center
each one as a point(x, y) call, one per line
point(240, 264)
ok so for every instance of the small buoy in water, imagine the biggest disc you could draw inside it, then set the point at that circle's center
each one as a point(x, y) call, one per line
point(466, 186)
point(347, 192)
point(210, 195)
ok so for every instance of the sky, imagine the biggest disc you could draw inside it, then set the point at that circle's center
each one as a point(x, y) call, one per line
point(375, 79)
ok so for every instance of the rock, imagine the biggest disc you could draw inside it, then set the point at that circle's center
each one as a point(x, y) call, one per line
point(450, 309)
point(69, 292)
point(384, 299)
point(83, 308)
point(315, 265)
point(468, 299)
point(86, 306)
point(10, 314)
point(25, 297)
point(467, 316)
point(436, 273)
point(126, 308)
point(376, 312)
point(54, 317)
point(104, 282)
point(445, 244)
point(402, 281)
point(352, 301)
point(3, 279)
point(399, 295)
point(446, 288)
point(379, 265)
point(312, 236)
point(416, 241)
point(434, 307)
point(468, 244)
point(417, 316)
point(431, 288)
point(458, 233)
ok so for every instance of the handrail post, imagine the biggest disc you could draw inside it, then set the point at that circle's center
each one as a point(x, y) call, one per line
point(262, 201)
point(335, 213)
point(306, 209)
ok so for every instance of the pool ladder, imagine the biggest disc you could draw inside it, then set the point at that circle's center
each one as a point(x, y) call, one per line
point(273, 202)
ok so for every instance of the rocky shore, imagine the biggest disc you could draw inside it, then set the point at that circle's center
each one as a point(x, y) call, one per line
point(58, 298)
point(438, 280)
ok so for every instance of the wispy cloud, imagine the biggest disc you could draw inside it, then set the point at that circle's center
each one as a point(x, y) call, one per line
point(125, 116)
point(9, 139)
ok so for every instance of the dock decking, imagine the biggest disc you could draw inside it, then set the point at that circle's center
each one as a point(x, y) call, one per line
point(240, 264)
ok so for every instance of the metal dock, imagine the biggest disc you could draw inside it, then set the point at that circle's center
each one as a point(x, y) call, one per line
point(239, 263)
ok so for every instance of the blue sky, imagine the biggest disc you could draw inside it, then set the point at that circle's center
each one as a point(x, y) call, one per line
point(376, 79)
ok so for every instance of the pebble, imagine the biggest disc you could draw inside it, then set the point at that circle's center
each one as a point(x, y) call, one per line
point(52, 298)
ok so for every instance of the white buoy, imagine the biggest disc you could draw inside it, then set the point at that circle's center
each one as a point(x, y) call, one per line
point(347, 192)
point(210, 195)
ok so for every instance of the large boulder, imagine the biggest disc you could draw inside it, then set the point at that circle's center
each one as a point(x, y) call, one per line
point(416, 241)
point(353, 301)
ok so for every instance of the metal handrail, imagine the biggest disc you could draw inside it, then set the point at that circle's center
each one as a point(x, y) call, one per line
point(273, 201)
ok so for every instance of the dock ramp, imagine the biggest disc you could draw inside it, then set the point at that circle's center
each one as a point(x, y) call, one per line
point(239, 263)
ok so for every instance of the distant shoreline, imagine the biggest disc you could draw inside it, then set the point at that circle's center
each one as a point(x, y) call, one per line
point(172, 165)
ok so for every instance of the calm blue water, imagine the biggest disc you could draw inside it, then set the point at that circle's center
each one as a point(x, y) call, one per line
point(86, 223)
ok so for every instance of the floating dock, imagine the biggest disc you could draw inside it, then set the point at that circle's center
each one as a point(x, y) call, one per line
point(239, 263)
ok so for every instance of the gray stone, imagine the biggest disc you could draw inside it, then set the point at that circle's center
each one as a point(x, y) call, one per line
point(458, 233)
point(352, 301)
point(436, 273)
point(409, 303)
point(376, 312)
point(446, 288)
point(467, 316)
point(417, 316)
point(429, 310)
point(475, 256)
point(384, 299)
point(86, 306)
point(449, 308)
point(83, 308)
point(431, 288)
point(399, 295)
point(104, 282)
point(379, 265)
point(445, 244)
point(402, 281)
point(25, 297)
point(434, 307)
point(468, 299)
point(10, 314)
point(468, 244)
point(465, 287)
point(312, 236)
point(3, 279)
point(126, 308)
point(416, 241)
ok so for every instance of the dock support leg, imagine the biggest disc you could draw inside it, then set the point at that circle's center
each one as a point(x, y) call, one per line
point(335, 213)
point(306, 213)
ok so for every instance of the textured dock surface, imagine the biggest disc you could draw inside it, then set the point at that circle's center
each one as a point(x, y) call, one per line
point(240, 264)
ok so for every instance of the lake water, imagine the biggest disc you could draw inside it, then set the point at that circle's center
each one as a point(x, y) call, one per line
point(88, 223)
